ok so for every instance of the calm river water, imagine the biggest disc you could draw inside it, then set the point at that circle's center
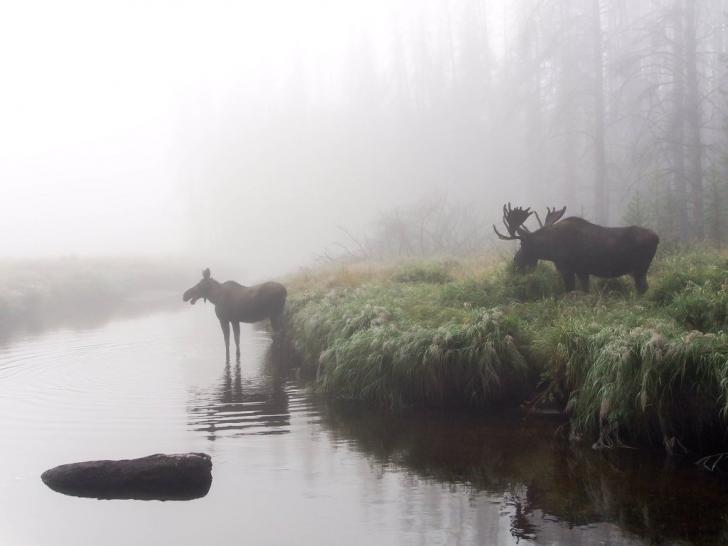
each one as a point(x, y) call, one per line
point(291, 469)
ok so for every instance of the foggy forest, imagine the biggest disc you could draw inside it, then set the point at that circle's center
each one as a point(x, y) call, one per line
point(299, 131)
point(364, 272)
point(615, 109)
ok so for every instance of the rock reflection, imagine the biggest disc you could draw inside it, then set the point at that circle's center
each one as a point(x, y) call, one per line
point(238, 405)
point(552, 491)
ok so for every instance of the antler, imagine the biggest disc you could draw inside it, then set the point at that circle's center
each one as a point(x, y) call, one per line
point(552, 216)
point(513, 219)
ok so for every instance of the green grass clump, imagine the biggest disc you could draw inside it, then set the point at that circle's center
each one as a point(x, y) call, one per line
point(701, 307)
point(475, 362)
point(437, 273)
point(674, 272)
point(501, 286)
point(624, 368)
point(543, 282)
point(621, 286)
point(627, 379)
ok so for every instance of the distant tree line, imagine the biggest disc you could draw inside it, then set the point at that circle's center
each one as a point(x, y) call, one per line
point(631, 95)
point(615, 108)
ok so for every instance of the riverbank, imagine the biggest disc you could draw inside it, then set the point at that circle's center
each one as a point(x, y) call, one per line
point(623, 369)
point(40, 293)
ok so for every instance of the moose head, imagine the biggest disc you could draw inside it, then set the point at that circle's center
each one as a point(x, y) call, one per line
point(514, 218)
point(201, 289)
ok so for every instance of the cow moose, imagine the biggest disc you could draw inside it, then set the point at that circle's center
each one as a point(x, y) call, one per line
point(235, 303)
point(579, 248)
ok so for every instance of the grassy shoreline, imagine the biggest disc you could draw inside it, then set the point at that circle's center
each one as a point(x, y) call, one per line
point(626, 370)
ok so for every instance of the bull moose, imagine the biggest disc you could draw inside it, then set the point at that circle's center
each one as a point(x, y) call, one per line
point(579, 248)
point(235, 303)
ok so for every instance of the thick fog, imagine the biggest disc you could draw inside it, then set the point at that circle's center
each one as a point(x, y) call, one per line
point(265, 135)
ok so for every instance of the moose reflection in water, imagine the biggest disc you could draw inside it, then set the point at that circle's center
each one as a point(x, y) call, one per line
point(553, 491)
point(579, 248)
point(235, 303)
point(238, 406)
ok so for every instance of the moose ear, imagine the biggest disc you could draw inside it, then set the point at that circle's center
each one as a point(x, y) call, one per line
point(553, 215)
point(206, 273)
point(560, 213)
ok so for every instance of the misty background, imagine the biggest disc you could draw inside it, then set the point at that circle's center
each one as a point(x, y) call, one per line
point(259, 137)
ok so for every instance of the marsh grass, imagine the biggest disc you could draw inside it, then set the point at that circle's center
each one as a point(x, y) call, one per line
point(625, 369)
point(424, 272)
point(675, 270)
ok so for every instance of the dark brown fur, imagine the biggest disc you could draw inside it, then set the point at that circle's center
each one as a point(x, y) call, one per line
point(235, 303)
point(579, 248)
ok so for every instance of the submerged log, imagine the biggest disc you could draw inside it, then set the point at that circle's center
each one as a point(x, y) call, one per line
point(182, 476)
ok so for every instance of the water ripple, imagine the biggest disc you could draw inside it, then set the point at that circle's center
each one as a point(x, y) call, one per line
point(100, 380)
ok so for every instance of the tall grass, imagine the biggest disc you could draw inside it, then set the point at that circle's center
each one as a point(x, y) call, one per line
point(474, 362)
point(626, 379)
point(625, 369)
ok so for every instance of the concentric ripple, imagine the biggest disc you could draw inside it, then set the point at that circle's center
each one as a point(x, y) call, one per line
point(159, 373)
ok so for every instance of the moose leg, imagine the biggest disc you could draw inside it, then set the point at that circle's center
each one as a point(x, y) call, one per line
point(640, 282)
point(584, 281)
point(276, 322)
point(236, 333)
point(225, 325)
point(569, 280)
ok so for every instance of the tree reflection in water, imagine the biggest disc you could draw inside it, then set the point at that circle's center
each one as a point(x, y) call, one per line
point(548, 487)
point(502, 468)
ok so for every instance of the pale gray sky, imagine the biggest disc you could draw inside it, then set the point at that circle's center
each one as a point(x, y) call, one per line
point(99, 101)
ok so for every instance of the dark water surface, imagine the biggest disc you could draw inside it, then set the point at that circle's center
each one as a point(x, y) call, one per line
point(289, 469)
